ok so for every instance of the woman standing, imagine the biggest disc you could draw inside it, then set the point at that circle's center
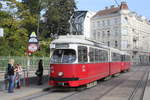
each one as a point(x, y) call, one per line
point(39, 72)
point(11, 75)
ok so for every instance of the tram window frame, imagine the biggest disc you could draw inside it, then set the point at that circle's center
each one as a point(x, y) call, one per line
point(82, 54)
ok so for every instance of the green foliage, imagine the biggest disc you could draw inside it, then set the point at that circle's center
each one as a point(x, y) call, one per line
point(22, 18)
point(58, 15)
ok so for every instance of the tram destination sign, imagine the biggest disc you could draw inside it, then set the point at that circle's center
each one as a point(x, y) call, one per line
point(62, 45)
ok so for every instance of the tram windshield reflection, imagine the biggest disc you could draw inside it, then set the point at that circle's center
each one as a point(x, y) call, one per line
point(63, 56)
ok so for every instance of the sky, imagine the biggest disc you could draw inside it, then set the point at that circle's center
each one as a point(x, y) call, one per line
point(141, 7)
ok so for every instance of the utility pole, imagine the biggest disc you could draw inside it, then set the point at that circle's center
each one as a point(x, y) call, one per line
point(38, 18)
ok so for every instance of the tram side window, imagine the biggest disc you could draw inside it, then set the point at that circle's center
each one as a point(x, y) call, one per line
point(97, 55)
point(116, 57)
point(105, 55)
point(92, 54)
point(82, 54)
point(127, 58)
point(122, 57)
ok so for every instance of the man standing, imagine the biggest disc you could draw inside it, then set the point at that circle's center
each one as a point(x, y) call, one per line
point(11, 75)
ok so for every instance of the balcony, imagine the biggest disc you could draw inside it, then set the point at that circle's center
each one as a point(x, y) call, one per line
point(135, 48)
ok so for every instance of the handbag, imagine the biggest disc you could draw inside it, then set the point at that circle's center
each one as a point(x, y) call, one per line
point(37, 72)
point(6, 76)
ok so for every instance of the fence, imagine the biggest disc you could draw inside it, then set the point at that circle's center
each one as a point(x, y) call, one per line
point(28, 63)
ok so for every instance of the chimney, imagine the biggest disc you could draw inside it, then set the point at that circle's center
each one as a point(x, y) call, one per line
point(112, 6)
point(124, 5)
point(106, 7)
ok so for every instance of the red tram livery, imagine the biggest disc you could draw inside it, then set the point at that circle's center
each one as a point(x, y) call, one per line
point(76, 62)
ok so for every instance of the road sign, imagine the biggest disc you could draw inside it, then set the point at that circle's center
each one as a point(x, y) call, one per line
point(33, 44)
point(32, 47)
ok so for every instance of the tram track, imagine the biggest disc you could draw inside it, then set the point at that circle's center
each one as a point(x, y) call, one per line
point(102, 93)
point(45, 93)
point(141, 84)
point(107, 87)
point(115, 86)
point(37, 95)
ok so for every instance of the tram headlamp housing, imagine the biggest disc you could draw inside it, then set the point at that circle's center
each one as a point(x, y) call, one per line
point(60, 74)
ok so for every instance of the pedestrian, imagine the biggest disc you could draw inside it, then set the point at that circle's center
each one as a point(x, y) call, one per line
point(11, 75)
point(39, 72)
point(18, 73)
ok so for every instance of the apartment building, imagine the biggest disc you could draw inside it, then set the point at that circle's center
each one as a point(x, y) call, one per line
point(121, 28)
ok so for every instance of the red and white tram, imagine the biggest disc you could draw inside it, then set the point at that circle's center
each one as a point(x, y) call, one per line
point(76, 62)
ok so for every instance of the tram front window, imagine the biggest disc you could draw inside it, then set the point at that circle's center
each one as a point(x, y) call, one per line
point(63, 56)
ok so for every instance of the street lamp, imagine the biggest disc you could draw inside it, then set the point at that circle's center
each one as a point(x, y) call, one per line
point(39, 17)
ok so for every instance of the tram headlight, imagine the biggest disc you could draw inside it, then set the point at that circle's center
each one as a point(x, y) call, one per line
point(60, 74)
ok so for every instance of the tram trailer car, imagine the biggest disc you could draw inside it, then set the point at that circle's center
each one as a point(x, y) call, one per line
point(76, 62)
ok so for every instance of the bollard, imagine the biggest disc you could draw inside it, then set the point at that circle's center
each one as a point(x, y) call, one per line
point(1, 85)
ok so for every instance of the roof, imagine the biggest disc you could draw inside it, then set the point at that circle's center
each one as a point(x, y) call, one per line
point(112, 9)
point(107, 11)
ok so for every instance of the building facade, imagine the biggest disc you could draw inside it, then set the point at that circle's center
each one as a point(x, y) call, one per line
point(121, 28)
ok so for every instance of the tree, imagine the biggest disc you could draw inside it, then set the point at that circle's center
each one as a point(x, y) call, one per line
point(15, 38)
point(58, 15)
point(22, 18)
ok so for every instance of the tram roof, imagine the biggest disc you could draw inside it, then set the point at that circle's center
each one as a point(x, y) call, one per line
point(79, 39)
point(72, 39)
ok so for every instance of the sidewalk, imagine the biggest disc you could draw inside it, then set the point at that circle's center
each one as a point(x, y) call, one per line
point(24, 91)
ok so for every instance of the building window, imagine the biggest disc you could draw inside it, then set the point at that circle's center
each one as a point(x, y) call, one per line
point(124, 44)
point(99, 35)
point(98, 24)
point(108, 33)
point(116, 32)
point(103, 33)
point(108, 22)
point(116, 21)
point(125, 31)
point(93, 24)
point(116, 44)
point(125, 20)
point(108, 43)
point(103, 23)
point(94, 34)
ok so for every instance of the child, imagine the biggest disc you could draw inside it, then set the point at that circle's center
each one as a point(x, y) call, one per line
point(18, 72)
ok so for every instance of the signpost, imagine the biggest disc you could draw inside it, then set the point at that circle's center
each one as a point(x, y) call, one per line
point(33, 44)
